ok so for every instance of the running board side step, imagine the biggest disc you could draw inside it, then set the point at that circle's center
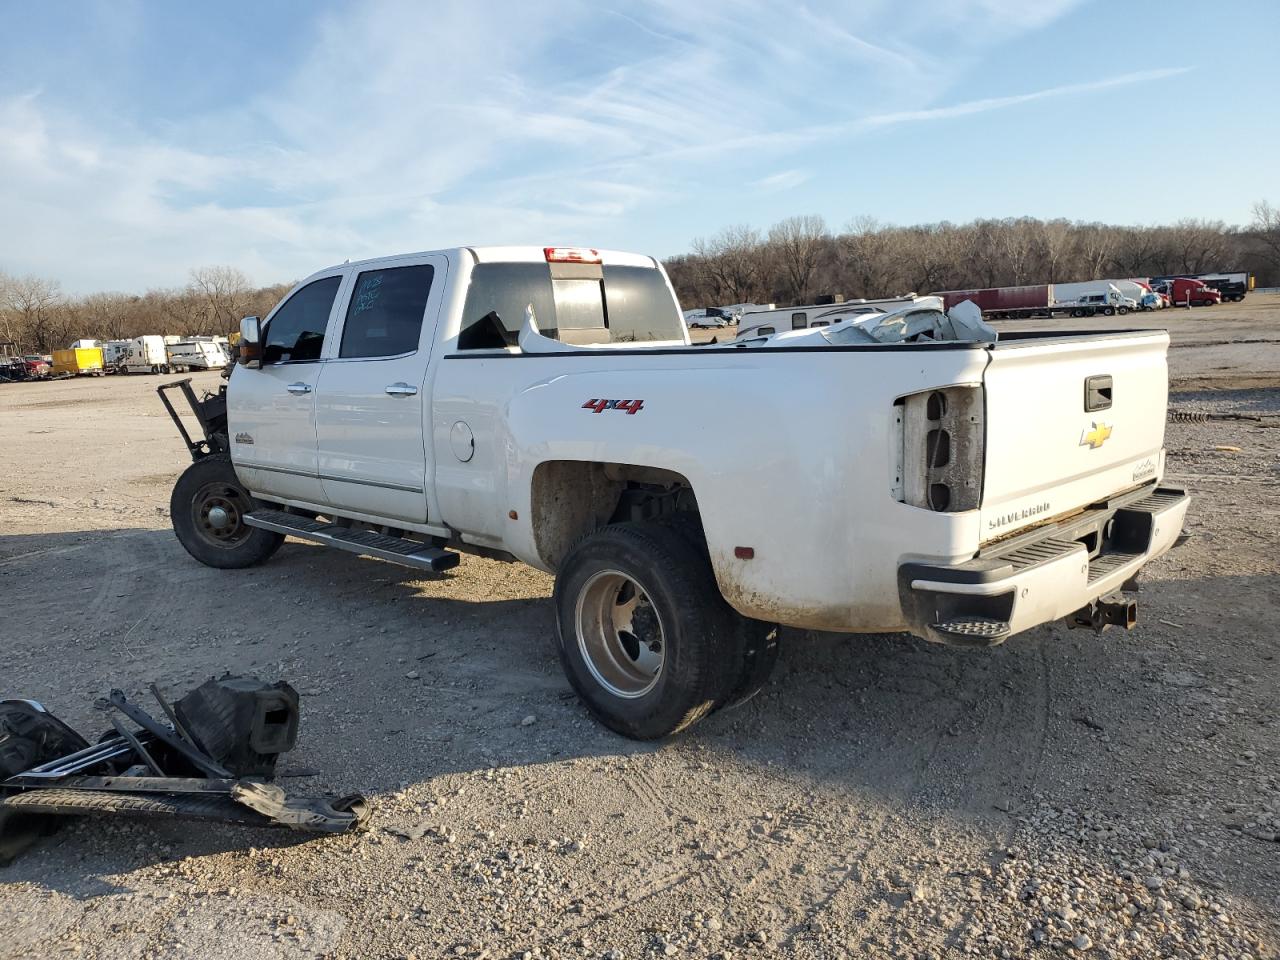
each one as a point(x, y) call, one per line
point(408, 553)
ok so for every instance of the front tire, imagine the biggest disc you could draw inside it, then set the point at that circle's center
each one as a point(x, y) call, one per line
point(645, 638)
point(207, 509)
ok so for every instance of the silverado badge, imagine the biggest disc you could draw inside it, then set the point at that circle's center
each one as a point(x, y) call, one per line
point(1096, 437)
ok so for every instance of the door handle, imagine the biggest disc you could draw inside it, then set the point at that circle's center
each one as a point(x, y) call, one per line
point(299, 388)
point(401, 389)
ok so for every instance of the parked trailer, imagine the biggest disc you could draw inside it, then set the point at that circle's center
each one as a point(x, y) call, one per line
point(1188, 292)
point(78, 361)
point(1133, 289)
point(113, 354)
point(146, 355)
point(1232, 286)
point(757, 323)
point(197, 355)
point(1041, 300)
point(1005, 303)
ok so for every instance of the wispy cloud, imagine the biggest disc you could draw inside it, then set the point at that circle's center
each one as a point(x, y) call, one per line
point(783, 180)
point(998, 103)
point(425, 126)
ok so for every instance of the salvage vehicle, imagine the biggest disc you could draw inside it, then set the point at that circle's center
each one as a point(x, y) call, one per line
point(910, 471)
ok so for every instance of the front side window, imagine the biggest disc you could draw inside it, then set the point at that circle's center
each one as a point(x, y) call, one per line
point(384, 318)
point(296, 332)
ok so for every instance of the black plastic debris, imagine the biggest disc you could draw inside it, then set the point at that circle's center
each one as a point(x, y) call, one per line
point(210, 759)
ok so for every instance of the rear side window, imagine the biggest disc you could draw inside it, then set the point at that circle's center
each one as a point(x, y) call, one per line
point(641, 306)
point(499, 292)
point(296, 332)
point(621, 305)
point(384, 318)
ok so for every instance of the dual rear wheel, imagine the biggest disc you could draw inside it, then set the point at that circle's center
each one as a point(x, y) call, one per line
point(644, 636)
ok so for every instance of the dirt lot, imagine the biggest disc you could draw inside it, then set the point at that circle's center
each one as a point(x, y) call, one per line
point(1065, 794)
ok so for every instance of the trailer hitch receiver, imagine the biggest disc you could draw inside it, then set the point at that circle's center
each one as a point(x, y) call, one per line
point(1113, 610)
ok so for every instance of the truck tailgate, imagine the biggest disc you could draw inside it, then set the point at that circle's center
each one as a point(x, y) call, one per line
point(1055, 440)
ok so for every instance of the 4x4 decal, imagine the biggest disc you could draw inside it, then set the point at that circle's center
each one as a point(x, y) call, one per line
point(600, 406)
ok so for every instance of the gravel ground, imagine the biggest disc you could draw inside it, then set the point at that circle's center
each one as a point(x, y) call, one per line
point(1063, 795)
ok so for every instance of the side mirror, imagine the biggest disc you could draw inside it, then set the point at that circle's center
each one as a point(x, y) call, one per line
point(251, 342)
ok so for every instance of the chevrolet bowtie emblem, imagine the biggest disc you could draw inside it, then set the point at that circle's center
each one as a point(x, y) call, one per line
point(1096, 437)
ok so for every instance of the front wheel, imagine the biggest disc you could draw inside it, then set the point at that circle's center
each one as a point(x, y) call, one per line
point(1122, 310)
point(644, 636)
point(207, 508)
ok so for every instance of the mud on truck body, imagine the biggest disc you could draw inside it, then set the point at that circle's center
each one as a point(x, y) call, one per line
point(904, 472)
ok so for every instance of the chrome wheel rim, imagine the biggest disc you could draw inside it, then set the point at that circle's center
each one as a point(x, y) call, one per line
point(620, 634)
point(218, 513)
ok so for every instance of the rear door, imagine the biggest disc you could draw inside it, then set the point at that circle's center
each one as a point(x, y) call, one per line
point(271, 410)
point(371, 401)
point(1070, 422)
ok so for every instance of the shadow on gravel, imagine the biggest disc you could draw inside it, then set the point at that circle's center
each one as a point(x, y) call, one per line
point(407, 680)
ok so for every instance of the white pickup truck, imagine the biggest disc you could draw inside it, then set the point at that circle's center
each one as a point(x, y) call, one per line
point(545, 405)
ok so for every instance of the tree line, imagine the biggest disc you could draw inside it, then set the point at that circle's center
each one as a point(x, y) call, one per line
point(40, 318)
point(800, 257)
point(792, 262)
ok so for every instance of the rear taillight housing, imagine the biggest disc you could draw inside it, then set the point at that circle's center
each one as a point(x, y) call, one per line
point(939, 444)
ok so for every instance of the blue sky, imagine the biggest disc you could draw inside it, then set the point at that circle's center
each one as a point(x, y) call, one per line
point(138, 140)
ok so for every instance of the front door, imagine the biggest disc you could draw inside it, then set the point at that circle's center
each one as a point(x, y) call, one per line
point(372, 401)
point(271, 411)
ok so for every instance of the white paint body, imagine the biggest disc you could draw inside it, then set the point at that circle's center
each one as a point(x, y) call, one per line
point(1067, 292)
point(765, 322)
point(803, 472)
point(198, 355)
point(146, 355)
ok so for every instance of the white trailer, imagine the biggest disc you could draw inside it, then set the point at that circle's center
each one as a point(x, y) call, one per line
point(113, 354)
point(146, 355)
point(198, 355)
point(1067, 292)
point(762, 323)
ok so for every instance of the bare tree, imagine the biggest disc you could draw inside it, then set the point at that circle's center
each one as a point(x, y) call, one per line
point(733, 262)
point(869, 257)
point(1093, 246)
point(1266, 230)
point(221, 293)
point(799, 243)
point(31, 301)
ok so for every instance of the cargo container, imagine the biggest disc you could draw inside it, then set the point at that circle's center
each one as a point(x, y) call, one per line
point(78, 361)
point(1005, 303)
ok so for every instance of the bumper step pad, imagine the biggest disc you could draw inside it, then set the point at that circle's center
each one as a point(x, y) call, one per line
point(408, 553)
point(973, 631)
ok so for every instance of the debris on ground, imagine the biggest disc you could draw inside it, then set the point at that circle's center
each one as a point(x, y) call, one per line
point(212, 760)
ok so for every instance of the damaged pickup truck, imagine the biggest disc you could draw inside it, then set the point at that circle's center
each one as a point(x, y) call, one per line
point(907, 470)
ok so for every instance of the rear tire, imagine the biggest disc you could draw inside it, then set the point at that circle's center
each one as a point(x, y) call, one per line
point(207, 509)
point(645, 638)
